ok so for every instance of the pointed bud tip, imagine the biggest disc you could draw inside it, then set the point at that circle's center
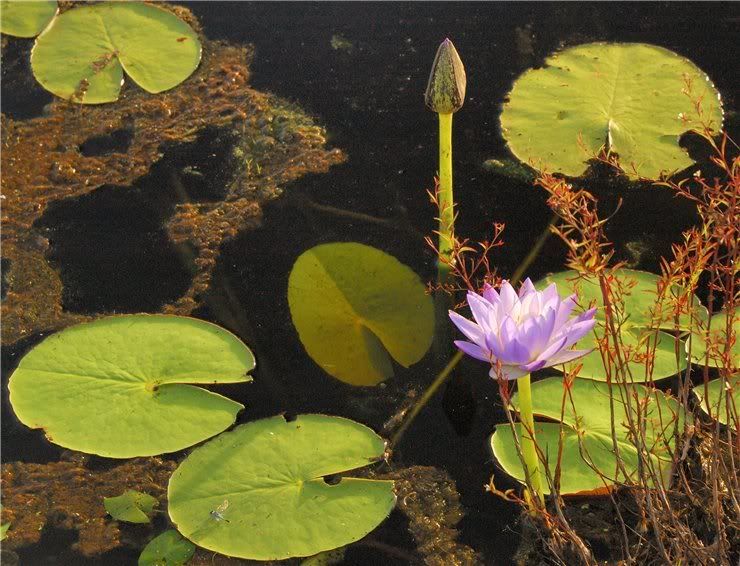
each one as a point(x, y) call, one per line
point(446, 87)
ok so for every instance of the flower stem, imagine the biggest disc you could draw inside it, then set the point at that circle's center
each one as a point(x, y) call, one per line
point(529, 450)
point(446, 203)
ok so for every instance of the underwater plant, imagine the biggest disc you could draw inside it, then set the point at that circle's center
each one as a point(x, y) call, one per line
point(82, 54)
point(263, 490)
point(519, 334)
point(120, 386)
point(355, 308)
point(623, 99)
point(445, 95)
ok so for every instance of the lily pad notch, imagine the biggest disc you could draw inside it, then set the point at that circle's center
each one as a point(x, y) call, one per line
point(124, 386)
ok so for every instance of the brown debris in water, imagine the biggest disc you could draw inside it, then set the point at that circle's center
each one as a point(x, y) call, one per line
point(42, 163)
point(69, 495)
point(429, 498)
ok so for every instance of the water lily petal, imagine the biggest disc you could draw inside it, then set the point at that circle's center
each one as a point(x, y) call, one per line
point(535, 365)
point(553, 349)
point(471, 330)
point(473, 350)
point(507, 372)
point(490, 294)
point(565, 356)
point(527, 288)
point(481, 310)
point(509, 298)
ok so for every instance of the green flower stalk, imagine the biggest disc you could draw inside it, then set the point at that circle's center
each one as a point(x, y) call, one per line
point(445, 95)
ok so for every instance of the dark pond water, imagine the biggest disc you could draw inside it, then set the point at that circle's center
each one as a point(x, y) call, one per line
point(366, 87)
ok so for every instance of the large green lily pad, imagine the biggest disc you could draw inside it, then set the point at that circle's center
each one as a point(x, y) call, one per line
point(716, 332)
point(714, 396)
point(355, 307)
point(25, 18)
point(649, 353)
point(259, 491)
point(83, 53)
point(117, 386)
point(628, 97)
point(589, 462)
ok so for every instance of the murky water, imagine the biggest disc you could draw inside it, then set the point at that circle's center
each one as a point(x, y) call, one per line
point(360, 70)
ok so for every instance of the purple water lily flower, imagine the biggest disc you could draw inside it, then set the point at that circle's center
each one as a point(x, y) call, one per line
point(522, 333)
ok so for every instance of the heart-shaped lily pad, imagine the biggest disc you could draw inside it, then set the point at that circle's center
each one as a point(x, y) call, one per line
point(23, 18)
point(355, 307)
point(648, 353)
point(589, 462)
point(117, 386)
point(628, 97)
point(715, 332)
point(83, 53)
point(714, 396)
point(260, 491)
point(168, 549)
point(131, 506)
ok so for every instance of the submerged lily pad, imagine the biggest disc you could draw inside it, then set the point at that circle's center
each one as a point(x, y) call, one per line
point(713, 399)
point(83, 53)
point(717, 335)
point(25, 18)
point(355, 307)
point(117, 386)
point(649, 353)
point(260, 491)
point(587, 433)
point(168, 549)
point(628, 97)
point(131, 506)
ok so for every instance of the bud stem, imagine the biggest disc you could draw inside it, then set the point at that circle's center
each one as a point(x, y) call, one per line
point(529, 450)
point(446, 203)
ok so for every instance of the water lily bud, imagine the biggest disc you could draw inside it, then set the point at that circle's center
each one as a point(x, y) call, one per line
point(446, 87)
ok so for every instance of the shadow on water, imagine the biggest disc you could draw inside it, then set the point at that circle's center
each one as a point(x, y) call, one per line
point(361, 69)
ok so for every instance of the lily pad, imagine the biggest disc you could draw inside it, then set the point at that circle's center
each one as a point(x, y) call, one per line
point(83, 53)
point(131, 506)
point(628, 97)
point(25, 18)
point(716, 393)
point(168, 549)
point(260, 491)
point(355, 307)
point(117, 386)
point(4, 528)
point(589, 462)
point(717, 334)
point(648, 353)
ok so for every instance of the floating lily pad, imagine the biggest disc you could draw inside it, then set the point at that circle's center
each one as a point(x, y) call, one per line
point(628, 97)
point(83, 53)
point(717, 334)
point(117, 386)
point(131, 506)
point(716, 393)
point(25, 18)
point(589, 463)
point(168, 549)
point(355, 307)
point(649, 353)
point(260, 491)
